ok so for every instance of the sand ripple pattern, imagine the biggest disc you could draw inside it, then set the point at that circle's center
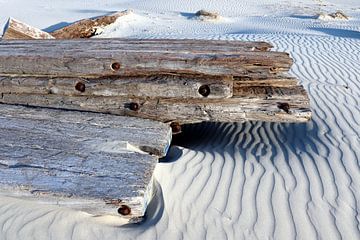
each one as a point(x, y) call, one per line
point(249, 180)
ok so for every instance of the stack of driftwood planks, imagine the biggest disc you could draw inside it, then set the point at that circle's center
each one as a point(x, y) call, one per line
point(166, 80)
point(102, 163)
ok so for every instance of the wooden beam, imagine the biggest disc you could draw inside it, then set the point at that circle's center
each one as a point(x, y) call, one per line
point(87, 28)
point(89, 59)
point(86, 161)
point(14, 29)
point(163, 86)
point(236, 109)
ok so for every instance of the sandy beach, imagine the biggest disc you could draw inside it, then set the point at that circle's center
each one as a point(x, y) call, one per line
point(251, 180)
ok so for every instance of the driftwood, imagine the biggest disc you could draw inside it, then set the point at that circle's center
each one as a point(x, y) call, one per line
point(14, 29)
point(85, 58)
point(87, 28)
point(164, 86)
point(242, 108)
point(97, 163)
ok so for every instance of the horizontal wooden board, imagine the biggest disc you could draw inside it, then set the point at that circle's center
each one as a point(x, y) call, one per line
point(86, 58)
point(85, 161)
point(183, 111)
point(165, 86)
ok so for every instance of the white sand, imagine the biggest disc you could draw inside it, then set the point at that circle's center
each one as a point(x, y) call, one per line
point(234, 181)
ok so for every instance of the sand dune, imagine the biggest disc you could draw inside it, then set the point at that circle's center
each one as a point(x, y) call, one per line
point(249, 180)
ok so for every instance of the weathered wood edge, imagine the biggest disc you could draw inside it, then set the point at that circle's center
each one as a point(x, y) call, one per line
point(15, 29)
point(293, 108)
point(162, 86)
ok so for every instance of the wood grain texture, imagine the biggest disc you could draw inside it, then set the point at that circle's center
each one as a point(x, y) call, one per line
point(85, 161)
point(87, 28)
point(180, 110)
point(161, 86)
point(63, 59)
point(15, 29)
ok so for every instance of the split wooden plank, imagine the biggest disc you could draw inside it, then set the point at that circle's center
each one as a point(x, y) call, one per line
point(62, 59)
point(278, 108)
point(15, 29)
point(86, 161)
point(87, 28)
point(166, 45)
point(163, 86)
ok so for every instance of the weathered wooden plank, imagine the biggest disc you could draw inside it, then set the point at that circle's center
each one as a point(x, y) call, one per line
point(280, 108)
point(142, 86)
point(61, 59)
point(81, 160)
point(87, 28)
point(15, 29)
point(148, 136)
point(163, 45)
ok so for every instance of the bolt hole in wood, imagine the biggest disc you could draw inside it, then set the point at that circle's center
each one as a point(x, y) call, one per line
point(115, 66)
point(80, 86)
point(134, 106)
point(175, 127)
point(124, 210)
point(204, 90)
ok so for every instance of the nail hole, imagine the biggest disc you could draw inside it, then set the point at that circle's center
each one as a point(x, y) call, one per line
point(115, 66)
point(134, 106)
point(204, 90)
point(284, 106)
point(124, 210)
point(80, 87)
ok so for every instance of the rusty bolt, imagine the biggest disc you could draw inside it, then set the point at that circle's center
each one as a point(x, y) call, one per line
point(175, 127)
point(204, 90)
point(115, 66)
point(124, 210)
point(80, 87)
point(284, 106)
point(134, 106)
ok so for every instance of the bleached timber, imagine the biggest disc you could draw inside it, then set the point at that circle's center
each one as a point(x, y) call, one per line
point(92, 162)
point(15, 29)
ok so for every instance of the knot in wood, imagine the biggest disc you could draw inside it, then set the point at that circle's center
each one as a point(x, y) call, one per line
point(284, 106)
point(175, 127)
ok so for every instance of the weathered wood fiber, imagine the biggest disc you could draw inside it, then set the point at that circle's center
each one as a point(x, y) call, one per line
point(163, 86)
point(148, 136)
point(87, 28)
point(14, 29)
point(61, 59)
point(81, 160)
point(181, 110)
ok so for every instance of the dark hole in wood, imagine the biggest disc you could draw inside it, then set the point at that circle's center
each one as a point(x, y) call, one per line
point(115, 66)
point(124, 210)
point(204, 90)
point(284, 106)
point(80, 87)
point(134, 106)
point(175, 127)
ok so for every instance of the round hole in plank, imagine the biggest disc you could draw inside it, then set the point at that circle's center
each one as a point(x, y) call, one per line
point(80, 86)
point(115, 66)
point(124, 210)
point(204, 90)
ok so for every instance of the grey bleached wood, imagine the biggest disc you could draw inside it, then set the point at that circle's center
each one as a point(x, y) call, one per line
point(87, 28)
point(167, 45)
point(142, 86)
point(182, 110)
point(86, 161)
point(15, 29)
point(62, 59)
